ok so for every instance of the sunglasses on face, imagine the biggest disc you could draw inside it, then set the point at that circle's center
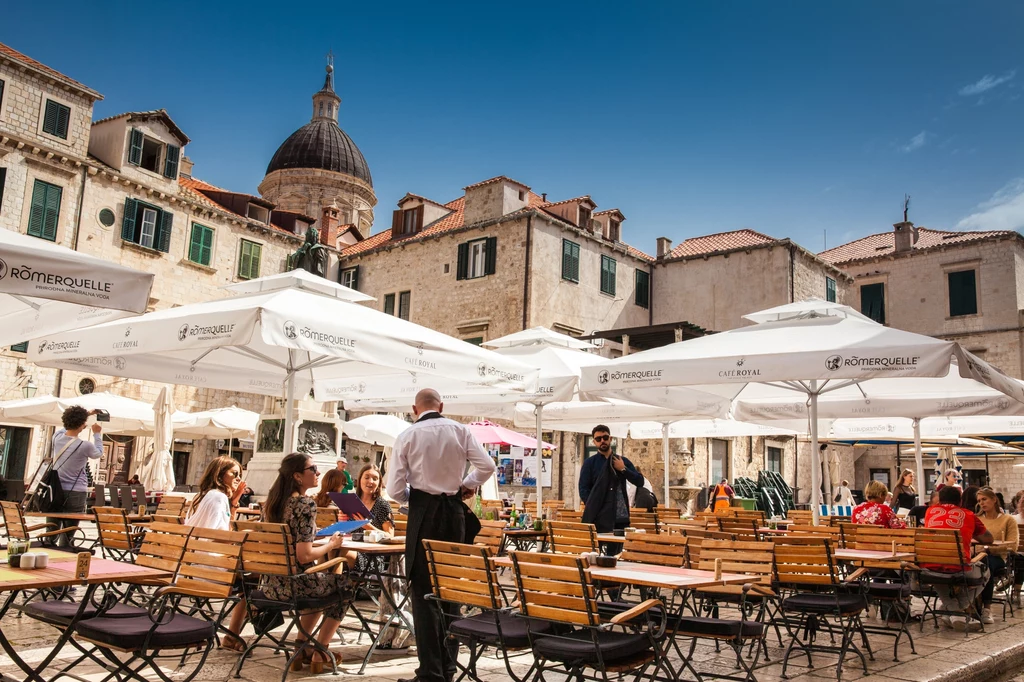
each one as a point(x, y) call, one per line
point(601, 439)
point(312, 467)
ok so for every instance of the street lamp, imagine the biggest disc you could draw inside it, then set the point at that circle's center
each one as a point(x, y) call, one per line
point(29, 389)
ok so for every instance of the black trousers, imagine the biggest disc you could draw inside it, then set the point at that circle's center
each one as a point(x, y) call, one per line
point(431, 517)
point(74, 502)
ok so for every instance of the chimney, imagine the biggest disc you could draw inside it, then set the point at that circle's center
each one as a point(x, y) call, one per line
point(905, 236)
point(543, 196)
point(664, 247)
point(185, 167)
point(329, 224)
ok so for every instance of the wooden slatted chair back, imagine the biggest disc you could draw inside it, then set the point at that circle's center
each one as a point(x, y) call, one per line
point(878, 539)
point(738, 556)
point(463, 574)
point(211, 561)
point(492, 508)
point(163, 546)
point(124, 497)
point(268, 548)
point(800, 517)
point(836, 520)
point(661, 549)
point(1020, 541)
point(641, 519)
point(569, 515)
point(756, 514)
point(668, 515)
point(14, 521)
point(168, 518)
point(401, 524)
point(695, 540)
point(674, 527)
point(552, 507)
point(112, 528)
point(555, 587)
point(491, 536)
point(566, 537)
point(939, 546)
point(804, 562)
point(742, 528)
point(833, 533)
point(326, 516)
point(172, 505)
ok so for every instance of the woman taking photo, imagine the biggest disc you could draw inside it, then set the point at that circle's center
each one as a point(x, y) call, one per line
point(904, 496)
point(288, 503)
point(219, 490)
point(1003, 529)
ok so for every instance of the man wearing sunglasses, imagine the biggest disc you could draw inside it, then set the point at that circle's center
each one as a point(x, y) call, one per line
point(602, 484)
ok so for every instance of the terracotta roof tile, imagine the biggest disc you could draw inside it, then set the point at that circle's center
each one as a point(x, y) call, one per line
point(8, 51)
point(883, 243)
point(191, 188)
point(145, 116)
point(721, 241)
point(496, 178)
point(639, 254)
point(585, 197)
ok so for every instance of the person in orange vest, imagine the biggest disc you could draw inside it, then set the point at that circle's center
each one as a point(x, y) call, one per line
point(722, 496)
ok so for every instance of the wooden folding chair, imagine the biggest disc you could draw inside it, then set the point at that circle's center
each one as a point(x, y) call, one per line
point(326, 516)
point(661, 549)
point(800, 517)
point(695, 539)
point(941, 546)
point(491, 537)
point(117, 540)
point(641, 519)
point(569, 515)
point(565, 537)
point(17, 529)
point(744, 528)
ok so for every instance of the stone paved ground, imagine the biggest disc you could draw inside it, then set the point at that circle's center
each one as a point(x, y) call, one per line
point(996, 655)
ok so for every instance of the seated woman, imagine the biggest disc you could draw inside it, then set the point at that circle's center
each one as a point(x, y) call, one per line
point(219, 490)
point(334, 481)
point(873, 510)
point(287, 503)
point(1003, 529)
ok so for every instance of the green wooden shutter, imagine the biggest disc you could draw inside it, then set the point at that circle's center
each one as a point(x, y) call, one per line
point(643, 288)
point(200, 247)
point(131, 207)
point(249, 260)
point(254, 267)
point(63, 119)
point(3, 171)
point(45, 210)
point(389, 304)
point(35, 216)
point(50, 118)
point(244, 260)
point(963, 293)
point(462, 268)
point(135, 147)
point(608, 275)
point(23, 346)
point(163, 239)
point(207, 249)
point(171, 162)
point(491, 257)
point(570, 261)
point(52, 212)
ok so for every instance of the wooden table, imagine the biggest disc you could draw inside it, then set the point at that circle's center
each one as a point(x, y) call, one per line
point(80, 516)
point(772, 531)
point(520, 538)
point(668, 577)
point(61, 573)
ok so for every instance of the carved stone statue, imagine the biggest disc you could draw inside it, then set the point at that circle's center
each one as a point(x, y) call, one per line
point(311, 256)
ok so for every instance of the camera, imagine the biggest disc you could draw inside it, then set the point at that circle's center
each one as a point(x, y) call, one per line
point(102, 416)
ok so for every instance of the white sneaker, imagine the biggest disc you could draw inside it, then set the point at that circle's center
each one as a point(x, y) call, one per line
point(944, 620)
point(986, 617)
point(974, 625)
point(958, 623)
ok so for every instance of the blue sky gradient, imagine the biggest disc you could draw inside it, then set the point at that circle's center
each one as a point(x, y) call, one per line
point(797, 119)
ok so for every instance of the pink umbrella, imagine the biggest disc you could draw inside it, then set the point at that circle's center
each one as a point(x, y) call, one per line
point(490, 433)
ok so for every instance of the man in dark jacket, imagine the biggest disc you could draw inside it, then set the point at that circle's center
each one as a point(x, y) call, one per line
point(602, 484)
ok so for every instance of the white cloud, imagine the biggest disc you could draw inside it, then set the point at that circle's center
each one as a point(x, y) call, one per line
point(986, 83)
point(916, 142)
point(1004, 211)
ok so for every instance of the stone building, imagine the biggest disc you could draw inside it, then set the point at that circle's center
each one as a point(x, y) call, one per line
point(966, 287)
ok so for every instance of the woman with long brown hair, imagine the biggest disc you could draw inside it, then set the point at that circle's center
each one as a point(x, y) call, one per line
point(1004, 530)
point(904, 495)
point(288, 503)
point(334, 481)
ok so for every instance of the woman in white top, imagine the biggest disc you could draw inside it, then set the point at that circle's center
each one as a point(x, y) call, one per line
point(843, 495)
point(219, 490)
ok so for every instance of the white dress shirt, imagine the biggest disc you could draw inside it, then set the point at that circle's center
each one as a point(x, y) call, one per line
point(431, 456)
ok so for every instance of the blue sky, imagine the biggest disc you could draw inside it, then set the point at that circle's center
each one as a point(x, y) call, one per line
point(792, 118)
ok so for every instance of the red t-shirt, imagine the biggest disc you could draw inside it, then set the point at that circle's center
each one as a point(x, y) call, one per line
point(955, 518)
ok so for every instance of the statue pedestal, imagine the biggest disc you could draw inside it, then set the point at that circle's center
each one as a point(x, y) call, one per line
point(316, 434)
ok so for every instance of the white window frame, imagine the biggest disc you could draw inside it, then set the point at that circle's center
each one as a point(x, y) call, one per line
point(347, 275)
point(146, 211)
point(160, 158)
point(477, 266)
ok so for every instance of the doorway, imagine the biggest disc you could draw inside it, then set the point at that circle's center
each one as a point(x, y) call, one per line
point(116, 459)
point(719, 460)
point(14, 442)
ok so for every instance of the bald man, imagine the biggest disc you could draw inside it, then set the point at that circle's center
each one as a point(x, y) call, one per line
point(428, 469)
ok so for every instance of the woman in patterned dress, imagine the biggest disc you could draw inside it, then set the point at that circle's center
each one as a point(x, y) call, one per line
point(287, 503)
point(873, 510)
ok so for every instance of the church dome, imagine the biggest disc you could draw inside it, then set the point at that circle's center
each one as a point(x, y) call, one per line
point(322, 144)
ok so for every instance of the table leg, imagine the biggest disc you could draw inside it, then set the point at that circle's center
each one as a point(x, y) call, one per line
point(392, 575)
point(34, 674)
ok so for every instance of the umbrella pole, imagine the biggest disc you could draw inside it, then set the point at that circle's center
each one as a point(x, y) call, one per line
point(919, 460)
point(815, 455)
point(539, 410)
point(664, 454)
point(230, 442)
point(289, 406)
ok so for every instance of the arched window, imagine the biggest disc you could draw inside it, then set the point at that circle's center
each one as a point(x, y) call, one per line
point(321, 108)
point(330, 110)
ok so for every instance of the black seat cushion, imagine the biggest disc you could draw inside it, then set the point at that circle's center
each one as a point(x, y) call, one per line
point(717, 627)
point(825, 603)
point(483, 628)
point(939, 578)
point(260, 600)
point(62, 612)
point(894, 591)
point(578, 646)
point(130, 633)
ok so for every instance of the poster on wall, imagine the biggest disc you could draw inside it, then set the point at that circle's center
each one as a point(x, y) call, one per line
point(504, 471)
point(545, 470)
point(529, 469)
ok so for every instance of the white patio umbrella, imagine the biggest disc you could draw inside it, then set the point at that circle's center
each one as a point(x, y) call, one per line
point(222, 422)
point(376, 429)
point(278, 341)
point(127, 416)
point(819, 350)
point(158, 474)
point(46, 288)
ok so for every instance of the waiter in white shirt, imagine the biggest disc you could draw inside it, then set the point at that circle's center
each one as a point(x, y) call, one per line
point(426, 470)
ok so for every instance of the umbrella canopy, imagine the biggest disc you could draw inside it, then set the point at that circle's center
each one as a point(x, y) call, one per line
point(158, 473)
point(278, 341)
point(127, 416)
point(300, 280)
point(706, 428)
point(46, 288)
point(490, 433)
point(222, 422)
point(538, 336)
point(788, 365)
point(378, 429)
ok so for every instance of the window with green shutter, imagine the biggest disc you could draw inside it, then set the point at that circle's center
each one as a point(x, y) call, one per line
point(171, 162)
point(147, 225)
point(135, 147)
point(3, 181)
point(42, 219)
point(389, 304)
point(830, 290)
point(570, 261)
point(642, 285)
point(872, 301)
point(249, 260)
point(200, 249)
point(608, 275)
point(963, 293)
point(20, 347)
point(404, 304)
point(477, 258)
point(56, 118)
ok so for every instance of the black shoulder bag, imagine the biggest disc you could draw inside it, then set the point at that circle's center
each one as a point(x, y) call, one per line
point(50, 496)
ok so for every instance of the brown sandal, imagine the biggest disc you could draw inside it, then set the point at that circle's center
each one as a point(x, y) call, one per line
point(233, 643)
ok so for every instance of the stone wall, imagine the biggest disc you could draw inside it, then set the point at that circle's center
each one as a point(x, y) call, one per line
point(23, 105)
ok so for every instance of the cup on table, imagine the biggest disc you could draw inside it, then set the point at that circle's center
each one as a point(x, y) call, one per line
point(28, 560)
point(357, 536)
point(42, 560)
